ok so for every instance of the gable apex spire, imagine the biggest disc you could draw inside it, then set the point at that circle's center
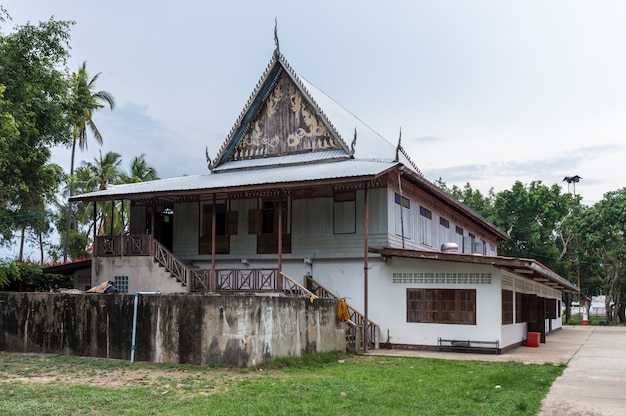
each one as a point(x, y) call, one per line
point(277, 50)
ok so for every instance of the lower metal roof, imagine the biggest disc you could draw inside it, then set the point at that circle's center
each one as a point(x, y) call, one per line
point(350, 169)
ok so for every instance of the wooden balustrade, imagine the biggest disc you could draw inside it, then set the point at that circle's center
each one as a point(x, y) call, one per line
point(356, 324)
point(239, 280)
point(126, 245)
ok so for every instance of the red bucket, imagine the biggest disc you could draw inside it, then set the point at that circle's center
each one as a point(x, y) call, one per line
point(533, 339)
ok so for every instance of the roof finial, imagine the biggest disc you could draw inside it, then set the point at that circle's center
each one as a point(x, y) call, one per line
point(353, 145)
point(208, 159)
point(277, 50)
point(399, 146)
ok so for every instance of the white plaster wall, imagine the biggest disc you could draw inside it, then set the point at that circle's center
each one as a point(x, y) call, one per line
point(387, 300)
point(144, 275)
point(513, 333)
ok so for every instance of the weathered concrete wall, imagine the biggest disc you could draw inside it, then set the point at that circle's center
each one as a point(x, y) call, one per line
point(232, 330)
point(144, 275)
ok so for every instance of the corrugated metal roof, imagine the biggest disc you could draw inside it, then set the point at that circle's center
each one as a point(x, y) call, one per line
point(283, 160)
point(529, 268)
point(351, 168)
point(369, 144)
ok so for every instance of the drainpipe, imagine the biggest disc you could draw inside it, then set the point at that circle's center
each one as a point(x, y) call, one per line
point(280, 244)
point(132, 348)
point(400, 171)
point(365, 270)
point(212, 279)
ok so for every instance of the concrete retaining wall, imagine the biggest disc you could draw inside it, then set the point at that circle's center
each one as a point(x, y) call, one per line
point(230, 330)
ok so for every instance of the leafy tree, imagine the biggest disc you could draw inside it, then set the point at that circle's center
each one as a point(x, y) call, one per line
point(32, 115)
point(34, 216)
point(473, 198)
point(20, 276)
point(110, 218)
point(93, 176)
point(9, 273)
point(602, 234)
point(530, 215)
point(540, 220)
point(85, 101)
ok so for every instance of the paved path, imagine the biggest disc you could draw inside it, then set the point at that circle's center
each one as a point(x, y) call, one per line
point(594, 382)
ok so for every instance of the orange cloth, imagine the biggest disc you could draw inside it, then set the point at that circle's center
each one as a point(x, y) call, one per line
point(342, 310)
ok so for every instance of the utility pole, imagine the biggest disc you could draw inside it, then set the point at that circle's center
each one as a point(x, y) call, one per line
point(571, 188)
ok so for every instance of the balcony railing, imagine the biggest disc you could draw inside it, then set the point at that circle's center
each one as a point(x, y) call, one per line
point(198, 280)
point(127, 245)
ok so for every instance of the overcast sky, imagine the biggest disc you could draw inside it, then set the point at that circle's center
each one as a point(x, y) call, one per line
point(485, 92)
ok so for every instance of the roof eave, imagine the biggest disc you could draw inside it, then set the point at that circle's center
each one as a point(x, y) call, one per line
point(173, 194)
point(443, 196)
point(522, 267)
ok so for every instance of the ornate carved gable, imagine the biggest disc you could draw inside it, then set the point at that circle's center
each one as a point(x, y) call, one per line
point(285, 124)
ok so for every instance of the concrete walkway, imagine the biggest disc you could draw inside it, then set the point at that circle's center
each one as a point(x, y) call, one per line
point(594, 382)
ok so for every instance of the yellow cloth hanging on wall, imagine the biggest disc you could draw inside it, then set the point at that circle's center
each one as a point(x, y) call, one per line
point(342, 310)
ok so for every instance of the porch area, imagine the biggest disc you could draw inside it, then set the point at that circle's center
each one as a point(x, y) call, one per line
point(197, 279)
point(360, 335)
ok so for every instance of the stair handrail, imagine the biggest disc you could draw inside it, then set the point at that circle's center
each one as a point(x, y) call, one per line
point(358, 323)
point(174, 266)
point(335, 296)
point(298, 285)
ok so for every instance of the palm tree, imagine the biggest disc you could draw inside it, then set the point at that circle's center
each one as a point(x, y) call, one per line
point(104, 171)
point(85, 101)
point(140, 171)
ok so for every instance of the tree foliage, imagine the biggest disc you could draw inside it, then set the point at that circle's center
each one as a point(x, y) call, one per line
point(536, 217)
point(19, 276)
point(85, 100)
point(33, 114)
point(531, 215)
point(602, 247)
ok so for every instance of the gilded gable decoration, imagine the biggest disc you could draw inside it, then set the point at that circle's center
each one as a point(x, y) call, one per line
point(285, 124)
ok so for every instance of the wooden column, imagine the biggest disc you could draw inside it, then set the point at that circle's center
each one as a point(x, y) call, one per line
point(365, 269)
point(213, 282)
point(280, 245)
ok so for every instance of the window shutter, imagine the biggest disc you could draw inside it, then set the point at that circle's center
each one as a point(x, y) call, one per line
point(231, 222)
point(254, 221)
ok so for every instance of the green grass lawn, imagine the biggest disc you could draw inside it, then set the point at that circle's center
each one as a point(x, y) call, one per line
point(324, 384)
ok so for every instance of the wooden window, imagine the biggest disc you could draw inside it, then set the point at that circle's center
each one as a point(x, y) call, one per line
point(425, 226)
point(344, 210)
point(400, 200)
point(402, 217)
point(518, 307)
point(444, 222)
point(529, 308)
point(468, 243)
point(265, 223)
point(254, 221)
point(207, 220)
point(507, 307)
point(442, 306)
point(232, 218)
point(551, 308)
point(414, 309)
point(459, 238)
point(225, 225)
